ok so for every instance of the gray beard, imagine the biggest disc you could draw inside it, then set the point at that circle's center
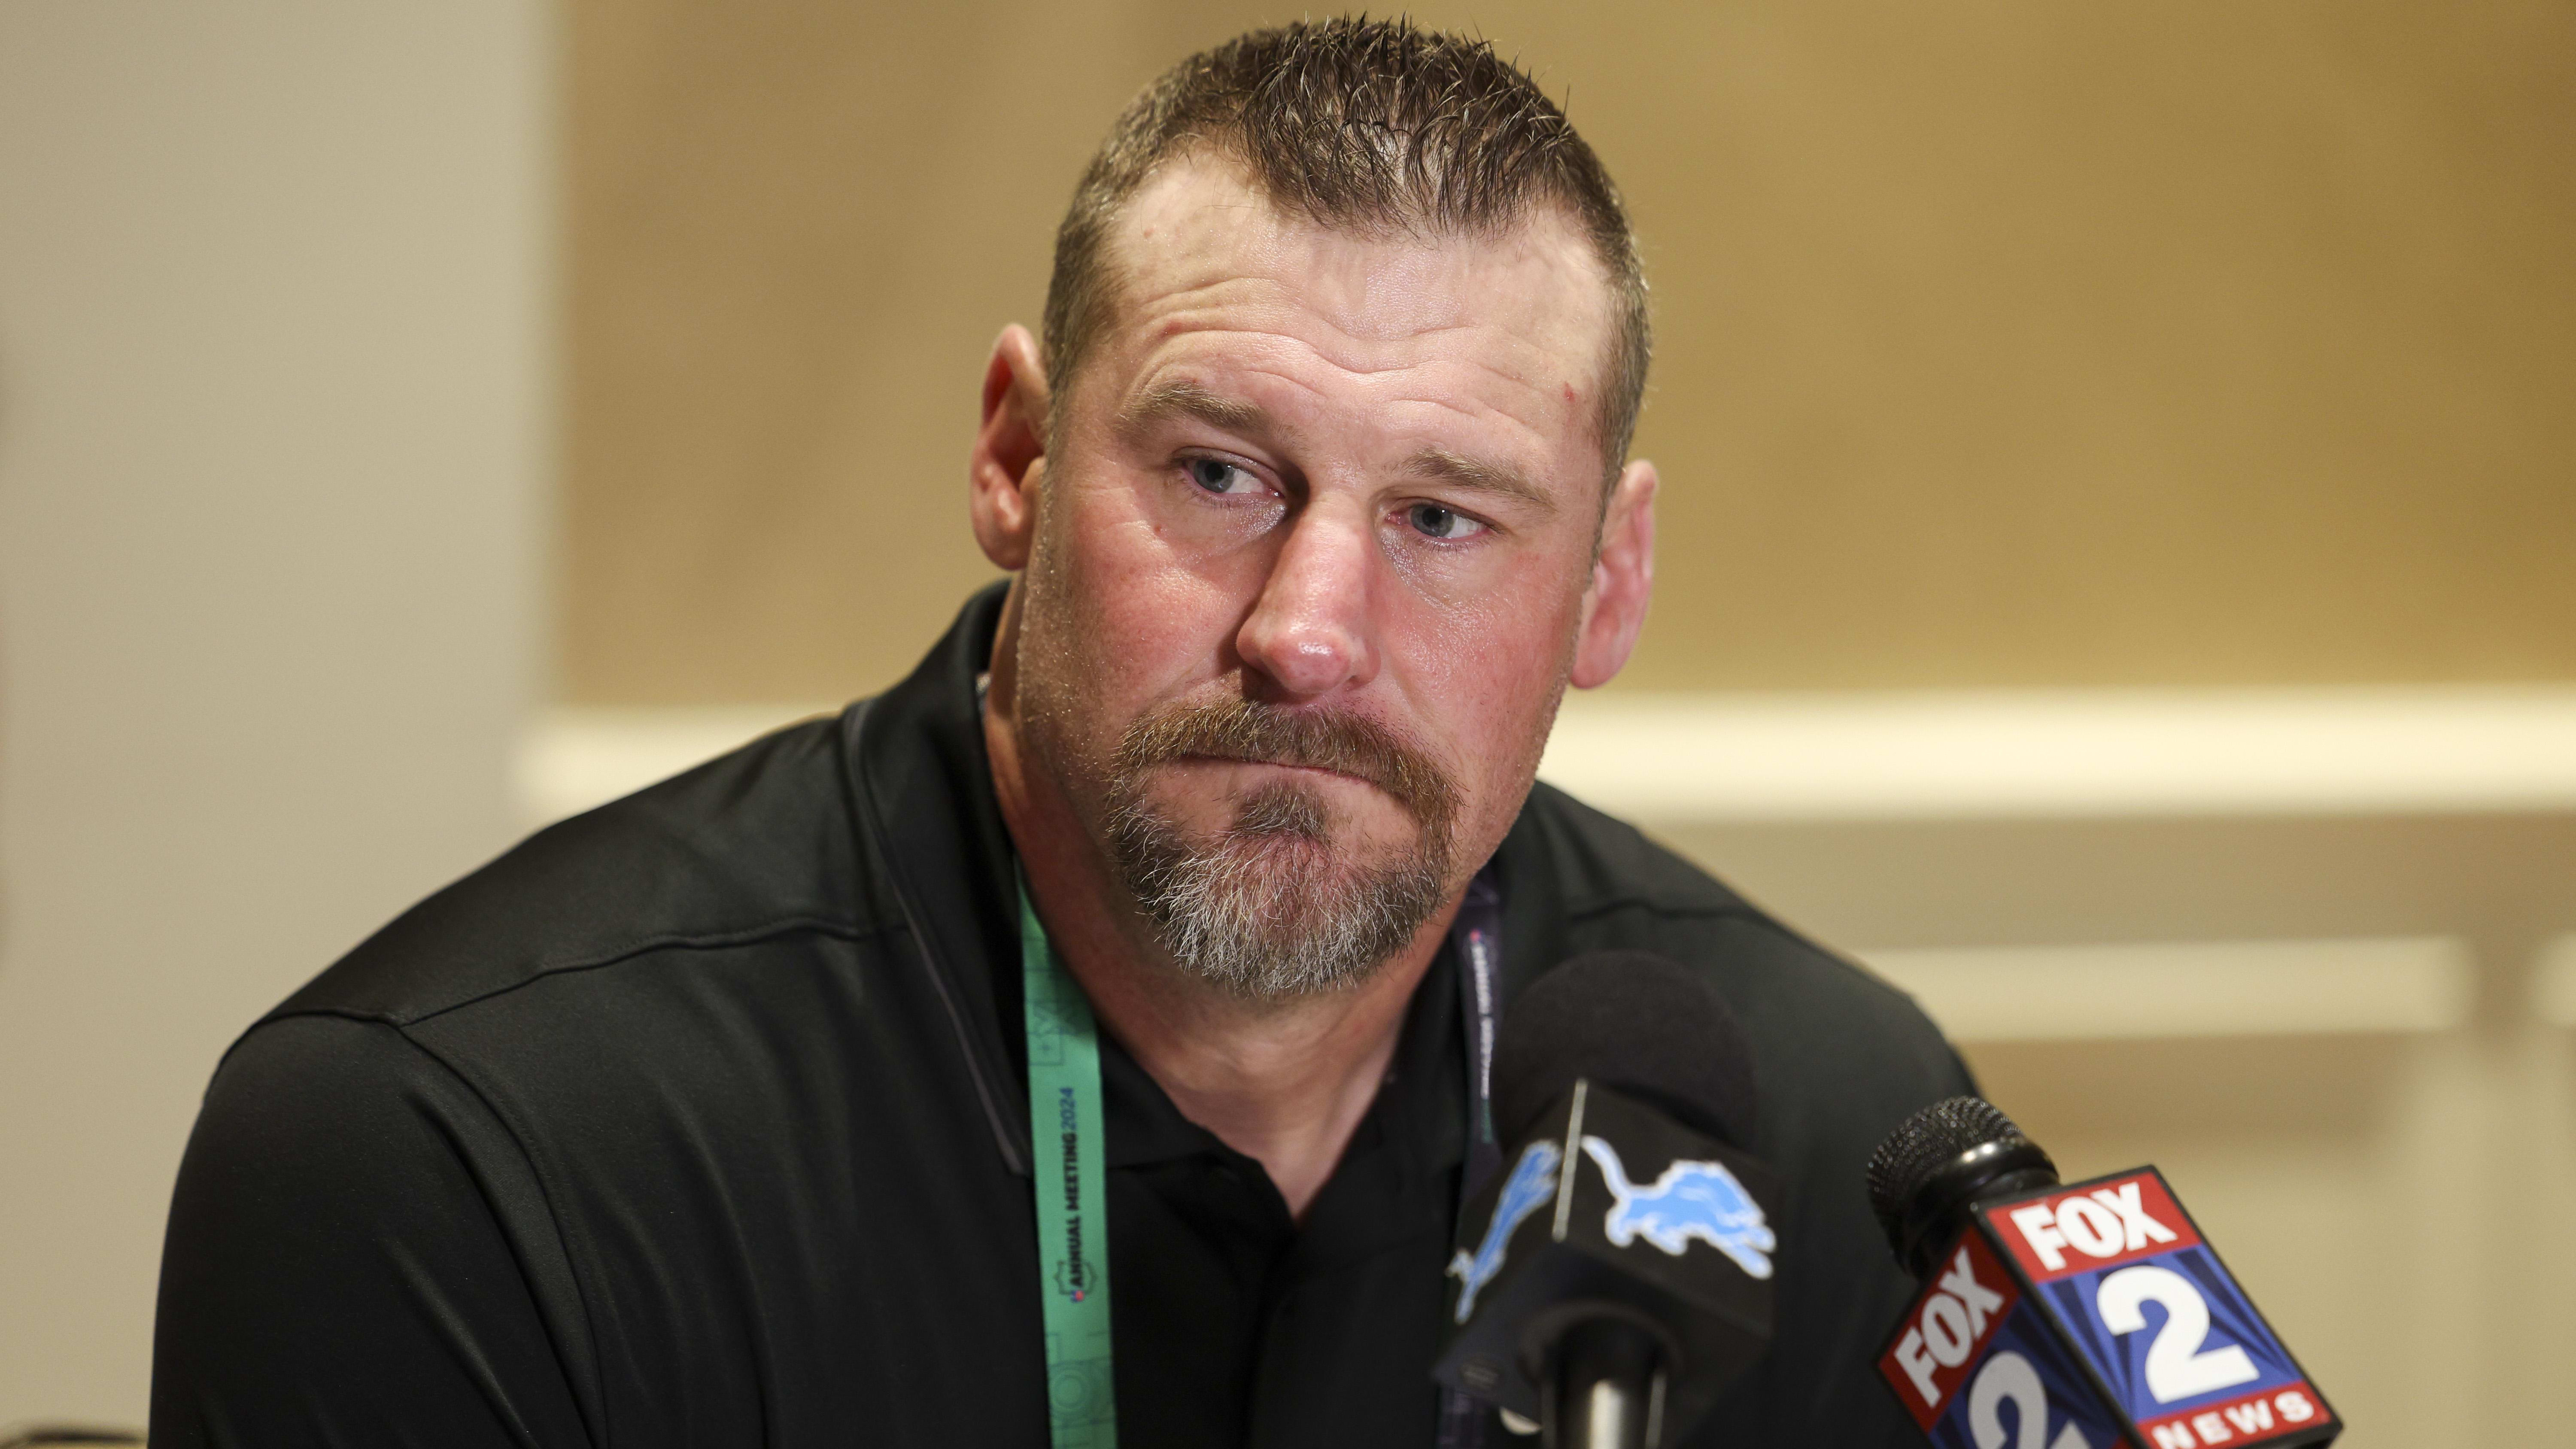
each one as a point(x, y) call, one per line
point(1267, 911)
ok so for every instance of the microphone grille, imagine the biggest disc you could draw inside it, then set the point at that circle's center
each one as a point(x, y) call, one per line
point(1925, 1143)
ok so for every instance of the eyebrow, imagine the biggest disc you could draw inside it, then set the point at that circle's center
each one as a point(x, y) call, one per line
point(1166, 401)
point(1458, 470)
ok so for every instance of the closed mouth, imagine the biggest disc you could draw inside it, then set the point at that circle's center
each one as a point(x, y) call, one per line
point(1278, 765)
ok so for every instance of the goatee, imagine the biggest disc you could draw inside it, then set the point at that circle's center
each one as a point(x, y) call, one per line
point(1272, 908)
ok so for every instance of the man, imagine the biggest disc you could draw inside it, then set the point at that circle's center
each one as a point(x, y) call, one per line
point(704, 1119)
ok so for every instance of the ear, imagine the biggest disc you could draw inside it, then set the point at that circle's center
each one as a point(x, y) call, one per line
point(1623, 580)
point(1004, 468)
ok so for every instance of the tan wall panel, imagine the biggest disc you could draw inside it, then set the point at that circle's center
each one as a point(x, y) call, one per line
point(2001, 344)
point(275, 346)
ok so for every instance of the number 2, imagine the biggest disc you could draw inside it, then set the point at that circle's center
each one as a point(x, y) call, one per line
point(2176, 1366)
point(2009, 1378)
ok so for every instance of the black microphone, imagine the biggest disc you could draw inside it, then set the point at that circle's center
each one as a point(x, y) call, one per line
point(1616, 1274)
point(2032, 1326)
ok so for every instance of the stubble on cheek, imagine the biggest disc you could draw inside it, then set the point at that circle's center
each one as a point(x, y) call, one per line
point(1061, 665)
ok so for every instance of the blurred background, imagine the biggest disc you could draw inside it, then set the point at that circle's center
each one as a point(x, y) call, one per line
point(2118, 568)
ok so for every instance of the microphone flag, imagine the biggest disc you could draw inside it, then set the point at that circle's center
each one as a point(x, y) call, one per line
point(2094, 1315)
point(1612, 1209)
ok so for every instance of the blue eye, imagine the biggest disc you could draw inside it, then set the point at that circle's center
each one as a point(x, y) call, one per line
point(1433, 521)
point(1216, 475)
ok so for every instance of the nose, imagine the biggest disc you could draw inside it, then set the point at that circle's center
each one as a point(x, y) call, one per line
point(1310, 630)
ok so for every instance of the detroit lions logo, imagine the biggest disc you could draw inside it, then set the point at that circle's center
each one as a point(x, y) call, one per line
point(1690, 1200)
point(1532, 1183)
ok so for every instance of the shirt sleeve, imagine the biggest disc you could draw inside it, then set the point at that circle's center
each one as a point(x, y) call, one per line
point(360, 1254)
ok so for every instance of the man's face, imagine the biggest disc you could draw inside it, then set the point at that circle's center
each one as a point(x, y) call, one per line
point(1314, 542)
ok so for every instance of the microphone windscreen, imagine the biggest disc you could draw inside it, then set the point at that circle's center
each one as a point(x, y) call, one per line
point(1926, 1143)
point(1634, 1022)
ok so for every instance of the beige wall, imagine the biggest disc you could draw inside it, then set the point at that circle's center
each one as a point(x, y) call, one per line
point(274, 407)
point(2006, 343)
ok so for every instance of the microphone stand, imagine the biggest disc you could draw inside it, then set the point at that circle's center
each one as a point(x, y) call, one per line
point(1607, 1390)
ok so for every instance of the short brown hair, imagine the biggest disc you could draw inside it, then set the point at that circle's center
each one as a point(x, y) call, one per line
point(1371, 124)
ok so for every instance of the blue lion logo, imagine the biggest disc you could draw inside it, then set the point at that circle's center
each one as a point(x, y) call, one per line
point(1532, 1183)
point(1690, 1200)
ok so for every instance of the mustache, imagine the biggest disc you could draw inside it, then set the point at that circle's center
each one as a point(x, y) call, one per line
point(1267, 734)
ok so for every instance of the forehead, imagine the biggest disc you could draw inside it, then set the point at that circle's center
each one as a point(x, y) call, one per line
point(1204, 261)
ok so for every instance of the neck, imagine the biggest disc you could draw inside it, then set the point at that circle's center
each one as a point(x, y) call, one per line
point(1284, 1083)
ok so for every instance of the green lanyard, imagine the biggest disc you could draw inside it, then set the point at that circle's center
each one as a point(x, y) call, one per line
point(1073, 1221)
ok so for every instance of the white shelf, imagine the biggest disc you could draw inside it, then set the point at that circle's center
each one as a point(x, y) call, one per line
point(2138, 991)
point(2068, 754)
point(573, 759)
point(1716, 758)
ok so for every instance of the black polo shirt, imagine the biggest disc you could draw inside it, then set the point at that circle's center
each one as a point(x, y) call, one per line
point(701, 1120)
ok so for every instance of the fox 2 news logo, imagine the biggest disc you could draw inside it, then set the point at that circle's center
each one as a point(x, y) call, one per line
point(1983, 1358)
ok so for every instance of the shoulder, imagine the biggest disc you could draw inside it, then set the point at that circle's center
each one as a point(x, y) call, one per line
point(1831, 1036)
point(348, 1120)
point(757, 844)
point(1599, 863)
point(335, 1170)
